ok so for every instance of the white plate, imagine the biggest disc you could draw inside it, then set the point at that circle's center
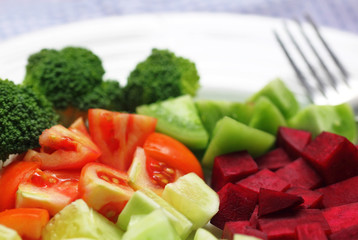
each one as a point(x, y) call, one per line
point(235, 54)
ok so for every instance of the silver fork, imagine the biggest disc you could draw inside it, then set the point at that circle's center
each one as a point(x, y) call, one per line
point(323, 85)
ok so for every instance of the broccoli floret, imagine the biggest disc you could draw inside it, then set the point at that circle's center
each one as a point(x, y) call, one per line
point(72, 79)
point(107, 95)
point(24, 114)
point(64, 76)
point(160, 76)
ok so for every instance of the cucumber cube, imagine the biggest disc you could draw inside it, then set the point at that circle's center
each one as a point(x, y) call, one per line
point(203, 234)
point(145, 201)
point(155, 225)
point(77, 220)
point(231, 136)
point(244, 237)
point(8, 233)
point(191, 196)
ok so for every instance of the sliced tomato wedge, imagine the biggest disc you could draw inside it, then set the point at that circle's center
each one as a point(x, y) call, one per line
point(148, 173)
point(105, 189)
point(79, 125)
point(11, 177)
point(28, 222)
point(51, 190)
point(62, 148)
point(118, 135)
point(169, 152)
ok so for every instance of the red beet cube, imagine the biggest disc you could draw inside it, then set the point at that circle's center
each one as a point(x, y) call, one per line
point(231, 228)
point(350, 233)
point(312, 231)
point(340, 193)
point(341, 217)
point(241, 227)
point(283, 225)
point(300, 174)
point(312, 199)
point(231, 168)
point(236, 204)
point(264, 179)
point(333, 156)
point(271, 201)
point(273, 160)
point(293, 140)
point(254, 217)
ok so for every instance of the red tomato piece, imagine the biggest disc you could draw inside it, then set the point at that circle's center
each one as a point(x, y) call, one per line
point(79, 125)
point(172, 153)
point(105, 189)
point(159, 172)
point(51, 190)
point(63, 149)
point(118, 135)
point(11, 177)
point(148, 173)
point(28, 222)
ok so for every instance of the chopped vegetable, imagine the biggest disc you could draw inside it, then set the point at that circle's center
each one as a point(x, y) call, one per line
point(162, 75)
point(72, 79)
point(23, 116)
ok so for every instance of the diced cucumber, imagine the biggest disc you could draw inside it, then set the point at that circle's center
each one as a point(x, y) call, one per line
point(178, 118)
point(155, 225)
point(8, 233)
point(191, 196)
point(280, 95)
point(77, 220)
point(202, 234)
point(145, 201)
point(244, 237)
point(266, 116)
point(230, 136)
point(337, 119)
point(211, 111)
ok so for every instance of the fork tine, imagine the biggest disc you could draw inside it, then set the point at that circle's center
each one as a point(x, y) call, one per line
point(330, 76)
point(299, 74)
point(321, 85)
point(333, 56)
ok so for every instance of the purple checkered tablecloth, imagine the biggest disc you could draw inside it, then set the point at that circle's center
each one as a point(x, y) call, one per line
point(23, 16)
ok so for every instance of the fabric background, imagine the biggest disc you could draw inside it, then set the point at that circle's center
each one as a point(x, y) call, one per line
point(22, 16)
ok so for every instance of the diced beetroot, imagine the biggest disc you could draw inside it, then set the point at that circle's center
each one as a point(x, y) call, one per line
point(293, 140)
point(231, 168)
point(271, 201)
point(282, 225)
point(264, 179)
point(254, 217)
point(300, 174)
point(312, 199)
point(231, 228)
point(242, 227)
point(312, 231)
point(341, 217)
point(333, 156)
point(340, 193)
point(273, 160)
point(236, 204)
point(350, 233)
point(250, 231)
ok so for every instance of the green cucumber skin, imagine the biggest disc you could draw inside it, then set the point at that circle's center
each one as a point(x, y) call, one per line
point(211, 111)
point(267, 117)
point(280, 95)
point(230, 136)
point(178, 118)
point(337, 119)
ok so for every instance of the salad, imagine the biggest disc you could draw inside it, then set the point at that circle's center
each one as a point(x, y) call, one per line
point(87, 158)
